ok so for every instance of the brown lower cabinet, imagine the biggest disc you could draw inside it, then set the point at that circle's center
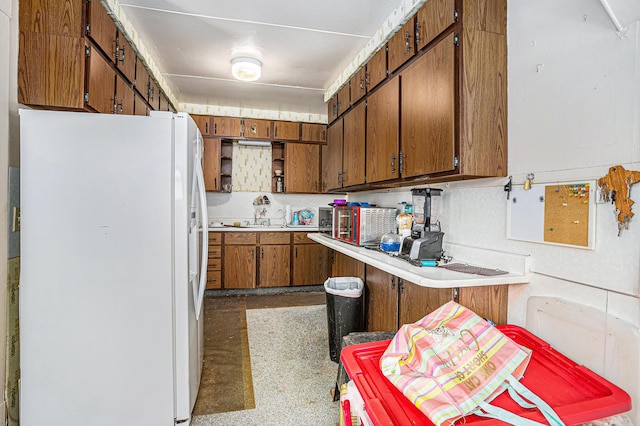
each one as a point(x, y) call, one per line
point(274, 269)
point(271, 259)
point(310, 261)
point(239, 260)
point(214, 261)
point(391, 302)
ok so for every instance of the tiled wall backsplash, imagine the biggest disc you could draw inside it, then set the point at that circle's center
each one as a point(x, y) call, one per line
point(238, 206)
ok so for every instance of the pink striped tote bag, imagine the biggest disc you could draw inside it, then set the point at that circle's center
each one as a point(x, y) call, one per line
point(453, 363)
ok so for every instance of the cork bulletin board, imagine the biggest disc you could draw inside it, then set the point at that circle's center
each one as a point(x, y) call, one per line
point(559, 213)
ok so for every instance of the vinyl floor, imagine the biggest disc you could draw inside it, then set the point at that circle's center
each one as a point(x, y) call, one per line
point(226, 383)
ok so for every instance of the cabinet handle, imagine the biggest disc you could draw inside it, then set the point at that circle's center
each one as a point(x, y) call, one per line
point(262, 253)
point(401, 161)
point(215, 127)
point(361, 84)
point(407, 44)
point(366, 79)
point(275, 132)
point(122, 49)
point(206, 127)
point(296, 252)
point(393, 163)
point(418, 32)
point(393, 283)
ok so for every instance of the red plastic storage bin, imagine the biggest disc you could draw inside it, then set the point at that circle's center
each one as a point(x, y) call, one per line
point(576, 393)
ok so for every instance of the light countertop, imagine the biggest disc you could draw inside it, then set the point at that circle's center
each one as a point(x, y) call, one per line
point(264, 228)
point(516, 265)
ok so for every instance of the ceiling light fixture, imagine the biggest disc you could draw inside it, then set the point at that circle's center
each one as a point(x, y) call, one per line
point(246, 69)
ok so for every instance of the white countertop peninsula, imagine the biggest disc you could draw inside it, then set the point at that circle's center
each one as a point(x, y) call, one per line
point(516, 265)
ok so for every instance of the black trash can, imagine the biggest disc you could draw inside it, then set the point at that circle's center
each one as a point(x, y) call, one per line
point(345, 310)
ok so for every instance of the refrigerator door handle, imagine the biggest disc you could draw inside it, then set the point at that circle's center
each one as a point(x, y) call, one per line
point(205, 234)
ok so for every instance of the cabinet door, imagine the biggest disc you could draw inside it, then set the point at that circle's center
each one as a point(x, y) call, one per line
point(164, 103)
point(227, 126)
point(332, 108)
point(302, 168)
point(432, 19)
point(100, 85)
point(487, 301)
point(139, 105)
point(428, 112)
point(211, 164)
point(417, 301)
point(344, 99)
point(63, 18)
point(332, 159)
point(257, 129)
point(142, 80)
point(376, 69)
point(101, 29)
point(124, 97)
point(310, 264)
point(286, 131)
point(358, 85)
point(203, 122)
point(51, 70)
point(402, 46)
point(126, 58)
point(275, 266)
point(346, 266)
point(314, 132)
point(239, 266)
point(382, 160)
point(353, 160)
point(152, 94)
point(381, 300)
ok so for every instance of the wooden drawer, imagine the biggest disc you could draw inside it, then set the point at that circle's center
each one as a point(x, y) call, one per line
point(215, 251)
point(215, 238)
point(242, 238)
point(301, 238)
point(214, 279)
point(214, 264)
point(274, 237)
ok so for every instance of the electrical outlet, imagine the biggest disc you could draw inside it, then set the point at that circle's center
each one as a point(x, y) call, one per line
point(16, 219)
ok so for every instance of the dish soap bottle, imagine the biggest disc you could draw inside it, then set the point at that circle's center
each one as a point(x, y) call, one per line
point(295, 220)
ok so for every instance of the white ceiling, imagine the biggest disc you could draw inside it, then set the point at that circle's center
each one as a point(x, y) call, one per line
point(304, 47)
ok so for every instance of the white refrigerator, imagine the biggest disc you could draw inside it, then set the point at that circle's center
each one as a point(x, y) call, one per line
point(113, 265)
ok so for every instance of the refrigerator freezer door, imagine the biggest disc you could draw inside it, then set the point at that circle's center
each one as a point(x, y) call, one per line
point(188, 221)
point(96, 302)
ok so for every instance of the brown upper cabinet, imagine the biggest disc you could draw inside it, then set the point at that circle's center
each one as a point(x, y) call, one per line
point(432, 19)
point(203, 122)
point(332, 108)
point(376, 69)
point(101, 29)
point(402, 45)
point(332, 157)
point(125, 58)
point(358, 85)
point(286, 131)
point(302, 168)
point(257, 129)
point(427, 108)
point(383, 115)
point(353, 150)
point(344, 100)
point(312, 132)
point(227, 126)
point(124, 97)
point(72, 57)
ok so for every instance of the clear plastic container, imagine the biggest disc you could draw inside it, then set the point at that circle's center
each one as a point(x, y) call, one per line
point(390, 242)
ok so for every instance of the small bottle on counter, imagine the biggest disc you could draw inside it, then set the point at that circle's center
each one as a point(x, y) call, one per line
point(279, 184)
point(295, 220)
